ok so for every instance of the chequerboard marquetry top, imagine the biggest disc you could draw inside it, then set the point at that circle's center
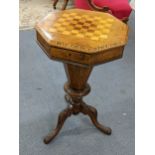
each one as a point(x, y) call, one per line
point(83, 30)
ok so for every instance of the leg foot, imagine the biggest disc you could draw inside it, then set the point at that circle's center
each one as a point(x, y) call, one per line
point(92, 113)
point(61, 119)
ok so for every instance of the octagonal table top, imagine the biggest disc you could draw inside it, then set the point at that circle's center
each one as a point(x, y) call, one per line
point(83, 31)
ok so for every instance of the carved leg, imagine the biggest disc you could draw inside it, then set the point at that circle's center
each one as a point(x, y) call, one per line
point(55, 3)
point(64, 5)
point(61, 119)
point(92, 113)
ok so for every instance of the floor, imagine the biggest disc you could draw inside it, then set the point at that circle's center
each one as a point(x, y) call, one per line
point(41, 99)
point(31, 11)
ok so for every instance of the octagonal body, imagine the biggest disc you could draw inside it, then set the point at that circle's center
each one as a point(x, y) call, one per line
point(82, 36)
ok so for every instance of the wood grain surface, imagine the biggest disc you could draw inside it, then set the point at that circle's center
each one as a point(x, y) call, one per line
point(82, 30)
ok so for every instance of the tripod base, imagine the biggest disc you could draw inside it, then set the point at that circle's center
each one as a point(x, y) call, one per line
point(75, 106)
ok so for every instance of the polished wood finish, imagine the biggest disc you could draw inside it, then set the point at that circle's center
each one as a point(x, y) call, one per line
point(63, 37)
point(77, 75)
point(82, 36)
point(64, 5)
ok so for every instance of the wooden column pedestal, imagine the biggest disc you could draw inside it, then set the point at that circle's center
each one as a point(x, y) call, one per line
point(76, 88)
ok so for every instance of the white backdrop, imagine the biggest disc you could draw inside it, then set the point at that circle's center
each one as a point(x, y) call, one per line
point(132, 3)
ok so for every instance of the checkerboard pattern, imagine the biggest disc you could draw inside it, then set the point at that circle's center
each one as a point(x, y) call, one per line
point(82, 26)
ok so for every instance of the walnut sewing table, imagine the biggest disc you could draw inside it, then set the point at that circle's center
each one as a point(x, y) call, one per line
point(80, 39)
